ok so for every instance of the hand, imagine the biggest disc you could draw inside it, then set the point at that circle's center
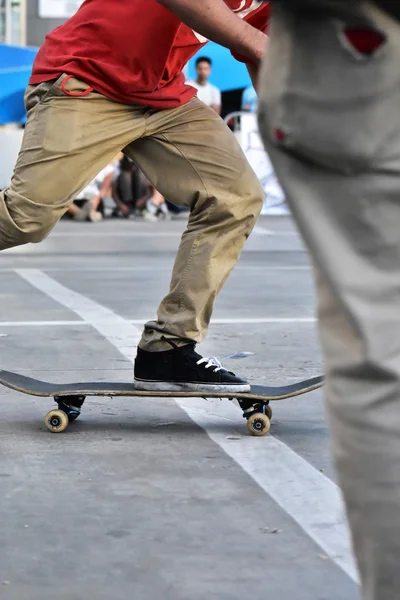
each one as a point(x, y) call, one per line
point(125, 210)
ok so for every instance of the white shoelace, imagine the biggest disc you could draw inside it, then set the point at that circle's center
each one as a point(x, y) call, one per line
point(211, 361)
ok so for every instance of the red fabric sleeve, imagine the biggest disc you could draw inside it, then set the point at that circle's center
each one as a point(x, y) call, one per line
point(258, 19)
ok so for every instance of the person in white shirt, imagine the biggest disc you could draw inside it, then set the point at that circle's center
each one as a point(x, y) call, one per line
point(86, 206)
point(207, 93)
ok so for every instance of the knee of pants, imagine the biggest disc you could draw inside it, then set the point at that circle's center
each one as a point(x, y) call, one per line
point(247, 199)
point(37, 232)
point(25, 222)
point(12, 236)
point(256, 194)
point(240, 201)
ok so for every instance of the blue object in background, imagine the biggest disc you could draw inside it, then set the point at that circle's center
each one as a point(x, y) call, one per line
point(227, 73)
point(15, 69)
point(250, 99)
point(16, 65)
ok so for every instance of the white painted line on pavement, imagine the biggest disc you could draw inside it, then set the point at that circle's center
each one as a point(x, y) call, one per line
point(116, 234)
point(269, 268)
point(135, 233)
point(245, 321)
point(150, 269)
point(102, 269)
point(262, 231)
point(260, 321)
point(84, 234)
point(238, 321)
point(114, 328)
point(309, 497)
point(25, 249)
point(41, 323)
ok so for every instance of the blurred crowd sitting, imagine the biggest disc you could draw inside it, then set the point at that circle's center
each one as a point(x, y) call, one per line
point(121, 190)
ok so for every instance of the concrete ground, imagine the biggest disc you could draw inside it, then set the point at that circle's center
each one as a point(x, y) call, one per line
point(163, 499)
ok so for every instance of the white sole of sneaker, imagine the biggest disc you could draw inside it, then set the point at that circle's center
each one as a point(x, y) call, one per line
point(202, 388)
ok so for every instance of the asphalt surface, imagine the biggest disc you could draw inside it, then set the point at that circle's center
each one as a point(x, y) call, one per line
point(163, 499)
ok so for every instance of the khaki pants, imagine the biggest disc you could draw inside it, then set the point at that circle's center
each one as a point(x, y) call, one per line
point(331, 120)
point(188, 154)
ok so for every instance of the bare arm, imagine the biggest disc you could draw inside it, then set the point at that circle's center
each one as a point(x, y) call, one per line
point(95, 201)
point(214, 20)
point(106, 186)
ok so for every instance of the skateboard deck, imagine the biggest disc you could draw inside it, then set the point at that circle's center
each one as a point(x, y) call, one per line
point(70, 397)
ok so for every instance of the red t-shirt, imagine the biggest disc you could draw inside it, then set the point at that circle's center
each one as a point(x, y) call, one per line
point(132, 51)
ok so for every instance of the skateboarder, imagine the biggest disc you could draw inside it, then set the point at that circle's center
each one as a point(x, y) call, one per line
point(111, 78)
point(330, 116)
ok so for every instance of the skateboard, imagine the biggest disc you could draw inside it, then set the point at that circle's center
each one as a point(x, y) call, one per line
point(70, 397)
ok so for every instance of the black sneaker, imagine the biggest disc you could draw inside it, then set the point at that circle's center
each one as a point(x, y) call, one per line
point(183, 370)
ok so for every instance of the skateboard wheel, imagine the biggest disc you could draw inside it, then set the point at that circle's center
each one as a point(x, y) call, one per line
point(258, 424)
point(56, 421)
point(268, 411)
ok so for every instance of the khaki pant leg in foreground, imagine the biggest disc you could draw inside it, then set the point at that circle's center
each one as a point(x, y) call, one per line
point(331, 118)
point(194, 160)
point(67, 141)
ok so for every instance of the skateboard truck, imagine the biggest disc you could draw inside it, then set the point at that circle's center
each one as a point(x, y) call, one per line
point(69, 409)
point(71, 405)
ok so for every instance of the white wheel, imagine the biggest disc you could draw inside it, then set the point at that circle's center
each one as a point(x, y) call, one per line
point(258, 424)
point(56, 421)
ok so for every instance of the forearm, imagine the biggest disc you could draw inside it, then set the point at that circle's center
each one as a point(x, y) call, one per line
point(95, 201)
point(106, 188)
point(214, 20)
point(142, 201)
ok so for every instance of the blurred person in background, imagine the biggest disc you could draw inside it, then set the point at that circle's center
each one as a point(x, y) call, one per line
point(249, 100)
point(130, 189)
point(88, 206)
point(206, 92)
point(158, 207)
point(332, 131)
point(134, 195)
